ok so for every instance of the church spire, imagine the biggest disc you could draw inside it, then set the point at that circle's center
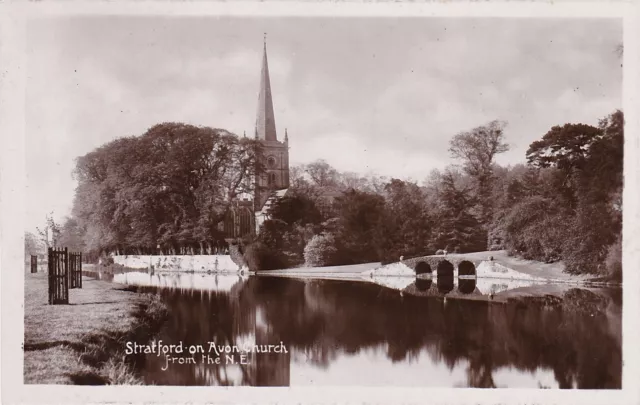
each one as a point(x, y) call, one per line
point(265, 120)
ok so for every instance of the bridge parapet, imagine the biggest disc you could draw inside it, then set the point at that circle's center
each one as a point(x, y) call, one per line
point(433, 260)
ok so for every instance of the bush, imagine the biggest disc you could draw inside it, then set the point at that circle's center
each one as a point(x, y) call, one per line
point(320, 251)
point(589, 239)
point(535, 230)
point(260, 257)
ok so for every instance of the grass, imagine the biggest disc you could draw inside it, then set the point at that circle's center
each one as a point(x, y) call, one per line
point(84, 342)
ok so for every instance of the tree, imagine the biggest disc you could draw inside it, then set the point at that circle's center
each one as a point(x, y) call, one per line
point(358, 227)
point(456, 228)
point(320, 251)
point(477, 149)
point(406, 223)
point(565, 147)
point(71, 235)
point(31, 244)
point(170, 187)
point(535, 228)
point(50, 233)
point(296, 208)
point(322, 174)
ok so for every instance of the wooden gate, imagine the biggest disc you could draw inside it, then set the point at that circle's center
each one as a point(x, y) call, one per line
point(58, 276)
point(34, 263)
point(75, 270)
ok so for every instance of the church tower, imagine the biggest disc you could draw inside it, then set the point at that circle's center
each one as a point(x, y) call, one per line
point(275, 153)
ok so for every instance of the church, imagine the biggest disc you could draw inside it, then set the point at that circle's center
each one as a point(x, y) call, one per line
point(247, 214)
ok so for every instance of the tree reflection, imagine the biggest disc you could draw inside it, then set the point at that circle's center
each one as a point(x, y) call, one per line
point(320, 320)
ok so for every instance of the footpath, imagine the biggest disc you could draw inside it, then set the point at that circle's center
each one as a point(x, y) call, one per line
point(84, 342)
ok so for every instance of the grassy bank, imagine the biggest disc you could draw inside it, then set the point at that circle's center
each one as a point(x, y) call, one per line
point(84, 342)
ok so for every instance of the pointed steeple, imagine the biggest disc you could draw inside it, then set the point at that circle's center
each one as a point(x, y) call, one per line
point(265, 120)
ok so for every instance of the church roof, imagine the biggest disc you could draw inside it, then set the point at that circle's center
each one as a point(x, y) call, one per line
point(265, 119)
point(277, 195)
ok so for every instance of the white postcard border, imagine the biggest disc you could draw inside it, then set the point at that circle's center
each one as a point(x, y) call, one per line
point(12, 199)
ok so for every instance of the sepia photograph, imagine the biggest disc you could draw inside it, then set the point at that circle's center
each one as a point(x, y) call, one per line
point(314, 201)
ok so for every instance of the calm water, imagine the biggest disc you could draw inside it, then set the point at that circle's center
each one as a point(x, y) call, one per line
point(401, 334)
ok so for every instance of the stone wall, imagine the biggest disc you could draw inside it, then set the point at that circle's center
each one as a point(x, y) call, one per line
point(179, 262)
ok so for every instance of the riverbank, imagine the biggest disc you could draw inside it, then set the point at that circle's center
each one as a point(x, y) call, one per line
point(84, 342)
point(529, 269)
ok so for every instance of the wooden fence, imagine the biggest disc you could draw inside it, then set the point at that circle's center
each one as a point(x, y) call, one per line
point(34, 263)
point(58, 276)
point(75, 270)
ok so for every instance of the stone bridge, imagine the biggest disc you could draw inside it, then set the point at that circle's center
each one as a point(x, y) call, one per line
point(443, 265)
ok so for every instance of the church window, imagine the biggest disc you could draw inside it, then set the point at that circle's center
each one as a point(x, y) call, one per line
point(271, 162)
point(272, 179)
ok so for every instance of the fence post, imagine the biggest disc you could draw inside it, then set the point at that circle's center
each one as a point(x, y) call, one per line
point(65, 281)
point(80, 269)
point(34, 263)
point(50, 274)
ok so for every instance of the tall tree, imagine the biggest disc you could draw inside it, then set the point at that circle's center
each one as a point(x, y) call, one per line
point(31, 244)
point(322, 174)
point(358, 226)
point(477, 149)
point(171, 187)
point(456, 228)
point(407, 223)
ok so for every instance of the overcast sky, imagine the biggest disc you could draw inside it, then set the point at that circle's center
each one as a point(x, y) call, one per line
point(367, 94)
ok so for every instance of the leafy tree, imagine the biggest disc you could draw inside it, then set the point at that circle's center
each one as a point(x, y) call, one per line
point(322, 174)
point(170, 187)
point(535, 229)
point(565, 147)
point(358, 226)
point(477, 148)
point(296, 208)
point(71, 235)
point(406, 222)
point(50, 234)
point(320, 251)
point(32, 245)
point(456, 228)
point(587, 243)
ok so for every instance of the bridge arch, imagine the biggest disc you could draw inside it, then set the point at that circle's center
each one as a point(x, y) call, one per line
point(445, 269)
point(423, 268)
point(466, 268)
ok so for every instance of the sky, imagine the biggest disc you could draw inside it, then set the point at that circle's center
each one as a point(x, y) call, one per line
point(381, 95)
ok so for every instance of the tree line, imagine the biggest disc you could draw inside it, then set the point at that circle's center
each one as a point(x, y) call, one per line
point(168, 190)
point(563, 204)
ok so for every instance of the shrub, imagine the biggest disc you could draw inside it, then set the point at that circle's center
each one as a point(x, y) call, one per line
point(320, 251)
point(260, 257)
point(589, 238)
point(535, 230)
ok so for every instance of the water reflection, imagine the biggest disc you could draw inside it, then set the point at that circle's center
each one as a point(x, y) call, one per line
point(423, 284)
point(467, 286)
point(360, 333)
point(445, 284)
point(488, 286)
point(182, 281)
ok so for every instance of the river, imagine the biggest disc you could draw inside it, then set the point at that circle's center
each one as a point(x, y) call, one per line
point(440, 333)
